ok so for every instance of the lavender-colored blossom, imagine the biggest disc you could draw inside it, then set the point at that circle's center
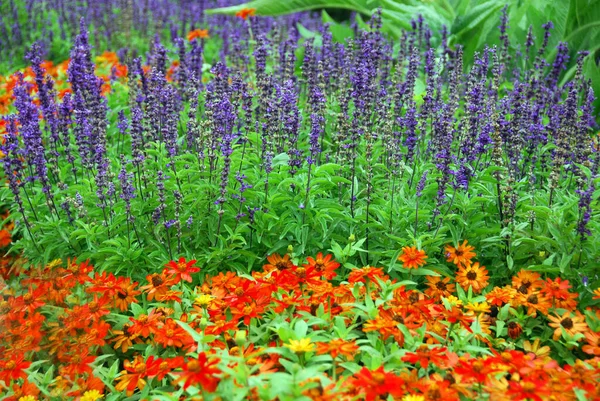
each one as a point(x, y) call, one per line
point(127, 189)
point(585, 211)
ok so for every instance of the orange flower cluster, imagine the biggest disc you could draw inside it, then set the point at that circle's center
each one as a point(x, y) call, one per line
point(469, 274)
point(69, 316)
point(197, 33)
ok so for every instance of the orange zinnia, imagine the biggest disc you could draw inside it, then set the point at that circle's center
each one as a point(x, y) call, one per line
point(323, 264)
point(277, 262)
point(527, 281)
point(439, 287)
point(367, 272)
point(245, 13)
point(412, 258)
point(536, 301)
point(197, 33)
point(336, 347)
point(593, 343)
point(133, 376)
point(474, 276)
point(461, 255)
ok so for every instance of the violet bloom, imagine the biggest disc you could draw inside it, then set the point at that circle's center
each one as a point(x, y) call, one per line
point(585, 210)
point(127, 189)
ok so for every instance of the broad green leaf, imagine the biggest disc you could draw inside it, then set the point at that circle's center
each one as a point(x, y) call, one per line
point(273, 8)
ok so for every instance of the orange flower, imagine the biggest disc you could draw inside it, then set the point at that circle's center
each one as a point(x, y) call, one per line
point(182, 269)
point(23, 390)
point(367, 272)
point(527, 281)
point(245, 13)
point(473, 276)
point(133, 376)
point(557, 291)
point(337, 347)
point(124, 338)
point(439, 287)
point(385, 327)
point(159, 284)
point(108, 58)
point(324, 265)
point(570, 324)
point(456, 315)
point(536, 301)
point(412, 258)
point(170, 334)
point(145, 325)
point(197, 33)
point(593, 343)
point(461, 255)
point(5, 238)
point(501, 296)
point(125, 295)
point(277, 262)
point(596, 293)
point(200, 371)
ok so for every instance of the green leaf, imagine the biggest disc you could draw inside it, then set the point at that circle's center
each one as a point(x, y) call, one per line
point(273, 8)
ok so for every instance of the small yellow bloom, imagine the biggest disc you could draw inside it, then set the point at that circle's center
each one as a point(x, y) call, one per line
point(413, 397)
point(28, 398)
point(91, 395)
point(535, 348)
point(204, 299)
point(54, 263)
point(302, 345)
point(454, 300)
point(478, 307)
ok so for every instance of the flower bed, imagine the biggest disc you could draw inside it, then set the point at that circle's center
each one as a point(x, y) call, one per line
point(160, 210)
point(292, 330)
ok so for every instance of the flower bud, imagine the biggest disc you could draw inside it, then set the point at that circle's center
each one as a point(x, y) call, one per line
point(241, 336)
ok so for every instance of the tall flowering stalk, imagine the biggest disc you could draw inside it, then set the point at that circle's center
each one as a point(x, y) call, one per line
point(127, 194)
point(13, 169)
point(34, 152)
point(316, 103)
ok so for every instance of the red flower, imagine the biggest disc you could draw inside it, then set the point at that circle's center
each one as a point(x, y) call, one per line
point(133, 376)
point(200, 371)
point(245, 13)
point(475, 369)
point(437, 356)
point(324, 265)
point(11, 368)
point(182, 269)
point(367, 272)
point(373, 383)
point(160, 367)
